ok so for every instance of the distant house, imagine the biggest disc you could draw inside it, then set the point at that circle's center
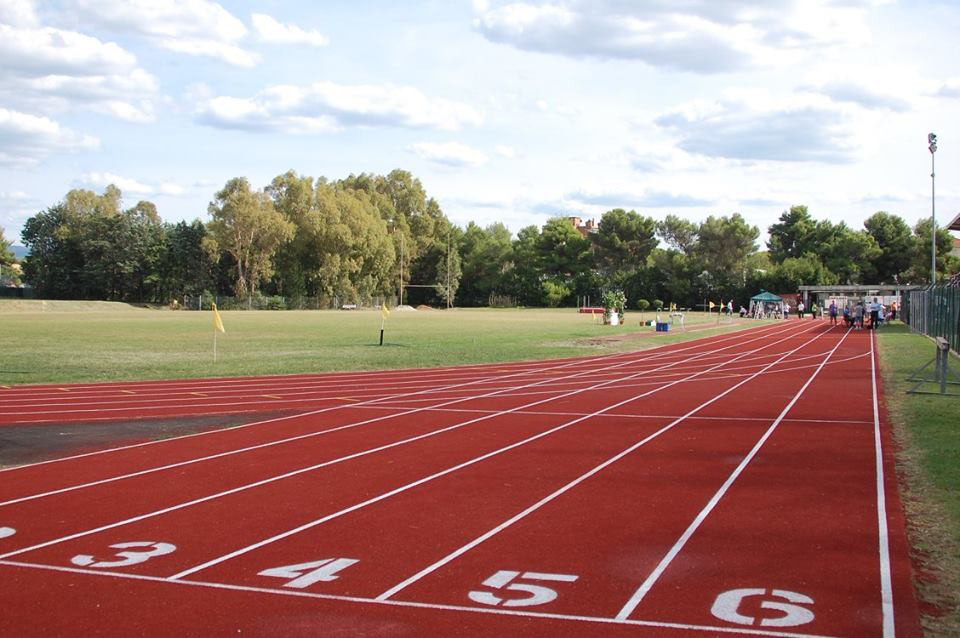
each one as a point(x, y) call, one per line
point(583, 227)
point(955, 226)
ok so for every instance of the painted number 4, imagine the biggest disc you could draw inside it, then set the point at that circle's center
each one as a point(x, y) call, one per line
point(506, 580)
point(305, 574)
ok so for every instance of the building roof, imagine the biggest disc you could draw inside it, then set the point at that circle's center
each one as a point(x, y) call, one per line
point(955, 224)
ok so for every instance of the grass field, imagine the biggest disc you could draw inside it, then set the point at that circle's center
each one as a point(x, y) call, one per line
point(929, 431)
point(62, 342)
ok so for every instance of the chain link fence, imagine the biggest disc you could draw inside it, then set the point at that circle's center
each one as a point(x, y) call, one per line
point(935, 312)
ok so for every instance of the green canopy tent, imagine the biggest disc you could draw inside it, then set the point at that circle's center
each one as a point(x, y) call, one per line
point(766, 305)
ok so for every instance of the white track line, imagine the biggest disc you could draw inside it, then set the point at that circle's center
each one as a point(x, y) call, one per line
point(401, 604)
point(644, 588)
point(883, 540)
point(306, 469)
point(426, 479)
point(282, 418)
point(577, 481)
point(300, 437)
point(653, 356)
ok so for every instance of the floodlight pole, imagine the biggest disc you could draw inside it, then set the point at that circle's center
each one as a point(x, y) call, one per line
point(932, 140)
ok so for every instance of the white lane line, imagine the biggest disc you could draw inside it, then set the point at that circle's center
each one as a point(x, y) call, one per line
point(883, 540)
point(274, 420)
point(644, 588)
point(319, 465)
point(290, 439)
point(424, 480)
point(414, 605)
point(577, 481)
point(639, 358)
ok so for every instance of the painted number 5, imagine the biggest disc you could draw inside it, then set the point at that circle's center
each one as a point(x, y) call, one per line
point(127, 558)
point(504, 579)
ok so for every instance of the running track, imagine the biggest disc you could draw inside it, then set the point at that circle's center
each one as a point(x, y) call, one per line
point(734, 485)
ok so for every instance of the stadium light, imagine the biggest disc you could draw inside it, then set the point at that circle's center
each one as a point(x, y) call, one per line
point(932, 141)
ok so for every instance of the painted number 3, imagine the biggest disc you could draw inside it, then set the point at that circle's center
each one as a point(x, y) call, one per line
point(505, 580)
point(151, 550)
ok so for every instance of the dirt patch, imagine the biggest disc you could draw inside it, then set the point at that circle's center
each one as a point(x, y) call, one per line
point(20, 444)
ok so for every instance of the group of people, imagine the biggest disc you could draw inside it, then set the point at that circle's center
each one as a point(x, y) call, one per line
point(855, 314)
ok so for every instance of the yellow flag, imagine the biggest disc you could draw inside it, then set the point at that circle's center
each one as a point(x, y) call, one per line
point(383, 311)
point(711, 305)
point(217, 323)
point(673, 307)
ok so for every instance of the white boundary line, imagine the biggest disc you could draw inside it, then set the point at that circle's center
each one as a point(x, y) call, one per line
point(883, 540)
point(415, 605)
point(651, 580)
point(426, 479)
point(577, 481)
point(342, 459)
point(354, 424)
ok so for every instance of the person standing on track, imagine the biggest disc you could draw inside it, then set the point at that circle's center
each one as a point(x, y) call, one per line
point(814, 310)
point(858, 315)
point(833, 313)
point(800, 309)
point(874, 314)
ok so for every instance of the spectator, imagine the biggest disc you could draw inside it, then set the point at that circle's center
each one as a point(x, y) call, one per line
point(874, 314)
point(800, 309)
point(833, 313)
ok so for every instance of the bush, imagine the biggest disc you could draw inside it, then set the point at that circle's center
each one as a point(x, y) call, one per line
point(658, 304)
point(643, 305)
point(554, 293)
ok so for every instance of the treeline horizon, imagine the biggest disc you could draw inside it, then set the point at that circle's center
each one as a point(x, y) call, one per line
point(354, 238)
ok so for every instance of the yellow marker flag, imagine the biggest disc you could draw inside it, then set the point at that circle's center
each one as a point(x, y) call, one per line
point(384, 313)
point(673, 307)
point(217, 323)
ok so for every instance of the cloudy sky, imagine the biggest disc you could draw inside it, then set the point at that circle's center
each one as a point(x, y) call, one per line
point(506, 111)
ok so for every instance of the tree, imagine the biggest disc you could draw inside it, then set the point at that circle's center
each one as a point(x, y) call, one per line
point(724, 245)
point(895, 243)
point(793, 236)
point(247, 225)
point(847, 253)
point(486, 256)
point(623, 241)
point(919, 271)
point(679, 234)
point(6, 261)
point(523, 278)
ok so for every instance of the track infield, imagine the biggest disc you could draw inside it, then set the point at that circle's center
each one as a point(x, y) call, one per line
point(740, 484)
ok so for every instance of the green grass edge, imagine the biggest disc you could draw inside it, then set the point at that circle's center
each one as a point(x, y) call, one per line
point(927, 432)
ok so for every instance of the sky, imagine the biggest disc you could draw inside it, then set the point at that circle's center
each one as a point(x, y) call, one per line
point(509, 112)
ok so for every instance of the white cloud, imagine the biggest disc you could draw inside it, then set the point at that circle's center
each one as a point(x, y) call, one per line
point(950, 88)
point(505, 151)
point(648, 198)
point(131, 186)
point(450, 154)
point(194, 27)
point(54, 70)
point(751, 125)
point(326, 106)
point(18, 12)
point(271, 30)
point(26, 139)
point(703, 36)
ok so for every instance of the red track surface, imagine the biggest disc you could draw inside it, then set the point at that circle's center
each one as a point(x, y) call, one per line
point(736, 485)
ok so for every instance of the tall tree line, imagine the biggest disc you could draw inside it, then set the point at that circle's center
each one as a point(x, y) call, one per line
point(361, 236)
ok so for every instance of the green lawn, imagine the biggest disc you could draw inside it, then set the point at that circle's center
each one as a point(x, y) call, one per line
point(928, 429)
point(54, 342)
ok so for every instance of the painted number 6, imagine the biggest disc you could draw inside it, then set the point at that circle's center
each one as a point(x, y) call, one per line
point(128, 558)
point(727, 607)
point(504, 578)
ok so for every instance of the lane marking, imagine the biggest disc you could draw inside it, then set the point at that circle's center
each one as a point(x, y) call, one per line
point(322, 432)
point(415, 605)
point(411, 485)
point(651, 580)
point(577, 481)
point(883, 540)
point(301, 415)
point(271, 396)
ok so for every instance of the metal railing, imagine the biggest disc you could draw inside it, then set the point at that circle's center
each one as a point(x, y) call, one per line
point(935, 312)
